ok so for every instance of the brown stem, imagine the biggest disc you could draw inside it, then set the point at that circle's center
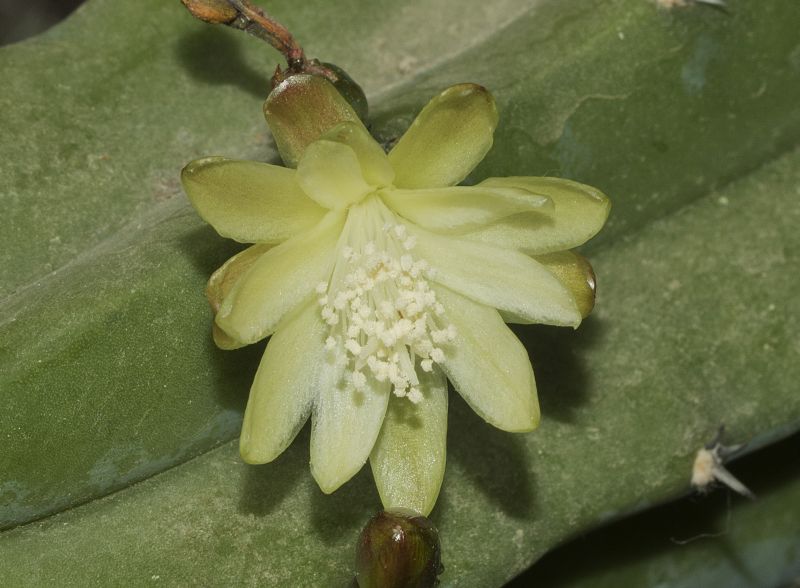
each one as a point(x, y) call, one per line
point(244, 16)
point(255, 21)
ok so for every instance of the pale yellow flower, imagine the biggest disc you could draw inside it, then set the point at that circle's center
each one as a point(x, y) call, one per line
point(378, 279)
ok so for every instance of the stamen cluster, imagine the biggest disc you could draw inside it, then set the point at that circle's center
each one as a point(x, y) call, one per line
point(383, 313)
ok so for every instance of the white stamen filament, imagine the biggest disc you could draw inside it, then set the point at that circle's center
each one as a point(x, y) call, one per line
point(379, 305)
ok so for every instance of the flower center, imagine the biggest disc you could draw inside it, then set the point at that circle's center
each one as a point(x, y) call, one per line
point(380, 308)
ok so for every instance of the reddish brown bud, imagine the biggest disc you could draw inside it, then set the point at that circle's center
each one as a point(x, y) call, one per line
point(213, 11)
point(398, 548)
point(300, 110)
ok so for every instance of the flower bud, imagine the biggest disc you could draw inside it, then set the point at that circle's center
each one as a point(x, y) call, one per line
point(300, 110)
point(576, 273)
point(211, 11)
point(398, 548)
point(350, 90)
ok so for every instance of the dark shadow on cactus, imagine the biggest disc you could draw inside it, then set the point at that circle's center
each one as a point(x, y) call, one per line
point(267, 486)
point(338, 517)
point(207, 250)
point(214, 56)
point(561, 377)
point(496, 462)
point(233, 371)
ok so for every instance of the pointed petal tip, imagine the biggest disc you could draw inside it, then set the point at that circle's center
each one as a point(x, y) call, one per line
point(190, 173)
point(531, 423)
point(469, 90)
point(255, 449)
point(246, 334)
point(524, 419)
point(599, 197)
point(329, 482)
point(223, 340)
point(249, 451)
point(527, 419)
point(251, 456)
point(589, 191)
point(331, 476)
point(191, 168)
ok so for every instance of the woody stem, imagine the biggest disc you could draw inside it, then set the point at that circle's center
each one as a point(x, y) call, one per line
point(256, 22)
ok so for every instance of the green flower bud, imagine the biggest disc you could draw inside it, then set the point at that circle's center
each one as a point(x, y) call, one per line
point(575, 272)
point(398, 548)
point(350, 90)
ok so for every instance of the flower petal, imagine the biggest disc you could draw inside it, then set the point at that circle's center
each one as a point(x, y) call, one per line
point(447, 140)
point(461, 207)
point(578, 213)
point(502, 278)
point(224, 279)
point(375, 166)
point(249, 201)
point(223, 340)
point(284, 387)
point(488, 365)
point(409, 456)
point(280, 279)
point(330, 174)
point(345, 424)
point(221, 283)
point(300, 110)
point(575, 272)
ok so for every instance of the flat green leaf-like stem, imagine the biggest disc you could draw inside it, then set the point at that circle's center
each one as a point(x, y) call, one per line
point(686, 118)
